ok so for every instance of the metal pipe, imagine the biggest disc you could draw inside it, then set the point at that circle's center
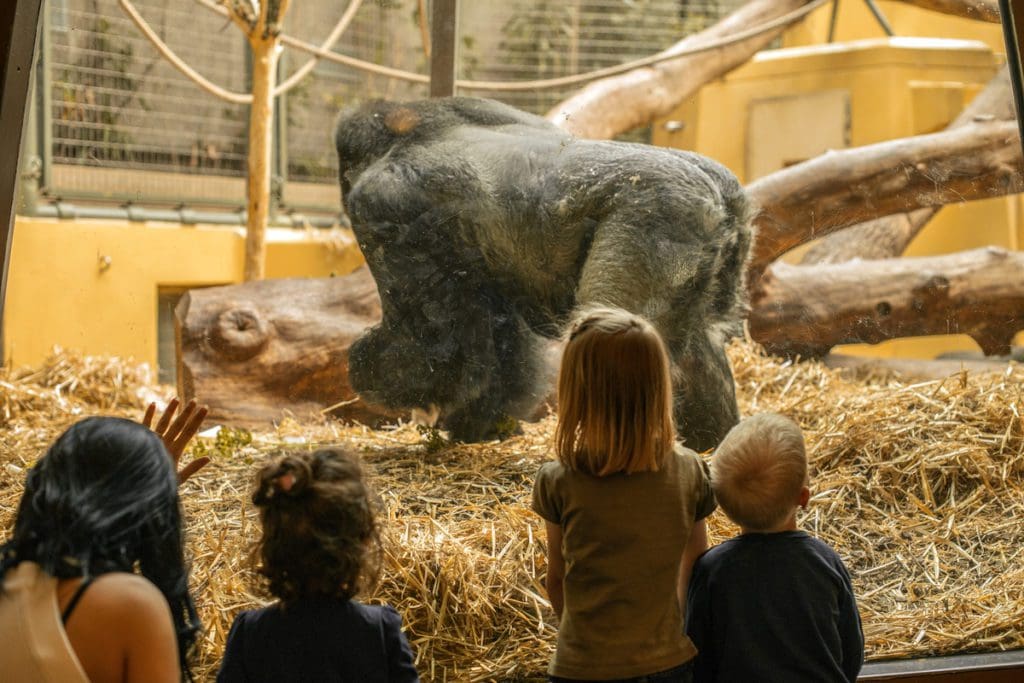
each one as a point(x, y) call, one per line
point(226, 205)
point(44, 96)
point(186, 216)
point(17, 48)
point(880, 18)
point(991, 667)
point(444, 37)
point(1013, 23)
point(832, 21)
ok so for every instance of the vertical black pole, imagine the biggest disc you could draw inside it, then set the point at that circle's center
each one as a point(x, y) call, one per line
point(1012, 14)
point(279, 175)
point(19, 26)
point(444, 34)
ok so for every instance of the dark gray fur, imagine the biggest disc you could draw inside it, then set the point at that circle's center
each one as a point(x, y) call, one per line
point(486, 227)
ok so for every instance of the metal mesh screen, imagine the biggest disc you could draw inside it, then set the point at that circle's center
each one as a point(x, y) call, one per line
point(115, 103)
point(383, 32)
point(522, 40)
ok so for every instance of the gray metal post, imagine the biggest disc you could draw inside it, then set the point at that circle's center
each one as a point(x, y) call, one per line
point(1012, 15)
point(832, 21)
point(19, 26)
point(44, 98)
point(279, 177)
point(444, 36)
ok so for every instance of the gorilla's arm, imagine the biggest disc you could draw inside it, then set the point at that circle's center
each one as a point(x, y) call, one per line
point(447, 337)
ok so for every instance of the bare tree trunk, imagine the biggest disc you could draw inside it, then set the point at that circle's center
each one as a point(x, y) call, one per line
point(839, 189)
point(889, 236)
point(911, 369)
point(614, 105)
point(806, 310)
point(982, 10)
point(261, 125)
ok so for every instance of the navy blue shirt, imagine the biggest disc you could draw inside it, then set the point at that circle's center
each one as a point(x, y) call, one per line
point(329, 641)
point(773, 607)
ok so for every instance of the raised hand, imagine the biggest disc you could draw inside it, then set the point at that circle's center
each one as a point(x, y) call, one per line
point(177, 432)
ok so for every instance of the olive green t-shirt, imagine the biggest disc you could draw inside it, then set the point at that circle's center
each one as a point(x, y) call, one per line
point(622, 539)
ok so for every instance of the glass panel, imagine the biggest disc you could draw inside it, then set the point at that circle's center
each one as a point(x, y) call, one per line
point(881, 309)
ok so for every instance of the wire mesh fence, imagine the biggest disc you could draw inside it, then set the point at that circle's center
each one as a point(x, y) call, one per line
point(114, 102)
point(537, 39)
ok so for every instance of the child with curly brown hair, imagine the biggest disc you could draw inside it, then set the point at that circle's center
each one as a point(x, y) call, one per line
point(320, 545)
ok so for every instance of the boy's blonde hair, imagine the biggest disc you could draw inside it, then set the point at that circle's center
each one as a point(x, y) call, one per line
point(758, 471)
point(614, 395)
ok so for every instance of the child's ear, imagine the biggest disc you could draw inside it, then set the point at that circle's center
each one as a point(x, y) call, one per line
point(805, 495)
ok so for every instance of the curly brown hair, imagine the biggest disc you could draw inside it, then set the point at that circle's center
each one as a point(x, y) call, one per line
point(320, 536)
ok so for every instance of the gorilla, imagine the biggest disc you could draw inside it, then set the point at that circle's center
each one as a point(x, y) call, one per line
point(486, 227)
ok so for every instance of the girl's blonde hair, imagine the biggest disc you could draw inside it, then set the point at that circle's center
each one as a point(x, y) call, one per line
point(614, 395)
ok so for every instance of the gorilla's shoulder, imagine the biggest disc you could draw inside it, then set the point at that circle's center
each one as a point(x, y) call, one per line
point(428, 118)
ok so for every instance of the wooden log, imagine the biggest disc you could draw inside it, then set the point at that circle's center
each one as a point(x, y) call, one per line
point(806, 310)
point(262, 350)
point(843, 188)
point(914, 369)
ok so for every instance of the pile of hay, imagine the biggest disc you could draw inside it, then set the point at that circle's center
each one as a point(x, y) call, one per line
point(918, 486)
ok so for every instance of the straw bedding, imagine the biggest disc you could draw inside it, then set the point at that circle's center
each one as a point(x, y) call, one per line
point(918, 486)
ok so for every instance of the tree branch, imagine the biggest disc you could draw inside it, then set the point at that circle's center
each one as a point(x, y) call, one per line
point(839, 189)
point(888, 236)
point(177, 62)
point(240, 12)
point(329, 42)
point(614, 105)
point(982, 10)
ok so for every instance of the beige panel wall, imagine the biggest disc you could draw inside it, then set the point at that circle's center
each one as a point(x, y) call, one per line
point(784, 131)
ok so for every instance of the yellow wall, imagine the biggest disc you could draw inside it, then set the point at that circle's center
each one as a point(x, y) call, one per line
point(885, 80)
point(60, 290)
point(855, 22)
point(915, 83)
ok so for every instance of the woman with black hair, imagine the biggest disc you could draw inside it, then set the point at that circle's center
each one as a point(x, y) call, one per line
point(95, 586)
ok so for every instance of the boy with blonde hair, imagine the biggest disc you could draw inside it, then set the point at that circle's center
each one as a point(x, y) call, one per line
point(772, 604)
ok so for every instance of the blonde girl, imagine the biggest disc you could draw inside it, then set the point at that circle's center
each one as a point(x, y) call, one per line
point(623, 507)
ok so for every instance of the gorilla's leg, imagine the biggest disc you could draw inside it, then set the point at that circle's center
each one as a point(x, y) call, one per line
point(513, 388)
point(675, 283)
point(704, 392)
point(387, 366)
